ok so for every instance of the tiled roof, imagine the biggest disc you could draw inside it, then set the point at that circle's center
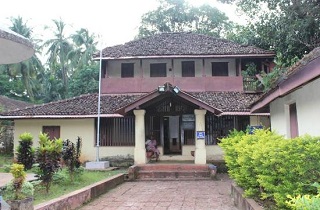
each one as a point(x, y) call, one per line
point(7, 104)
point(86, 105)
point(228, 101)
point(182, 43)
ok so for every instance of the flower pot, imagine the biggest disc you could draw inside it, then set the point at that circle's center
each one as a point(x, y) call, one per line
point(24, 204)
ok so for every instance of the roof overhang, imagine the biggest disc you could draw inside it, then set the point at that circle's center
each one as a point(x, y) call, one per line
point(271, 55)
point(303, 76)
point(58, 116)
point(14, 48)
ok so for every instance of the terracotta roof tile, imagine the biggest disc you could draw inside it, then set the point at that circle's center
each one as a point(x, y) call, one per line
point(87, 104)
point(182, 43)
point(228, 101)
point(7, 104)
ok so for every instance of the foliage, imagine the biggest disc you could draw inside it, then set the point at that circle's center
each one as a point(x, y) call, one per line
point(305, 202)
point(288, 26)
point(70, 155)
point(84, 81)
point(178, 16)
point(271, 167)
point(48, 158)
point(251, 70)
point(25, 152)
point(18, 188)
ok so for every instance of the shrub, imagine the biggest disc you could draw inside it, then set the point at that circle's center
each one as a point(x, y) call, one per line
point(25, 152)
point(48, 158)
point(70, 155)
point(267, 165)
point(305, 202)
point(18, 188)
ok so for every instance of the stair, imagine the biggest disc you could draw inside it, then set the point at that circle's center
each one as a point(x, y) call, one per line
point(168, 172)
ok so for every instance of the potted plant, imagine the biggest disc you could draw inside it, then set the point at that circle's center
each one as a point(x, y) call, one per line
point(19, 193)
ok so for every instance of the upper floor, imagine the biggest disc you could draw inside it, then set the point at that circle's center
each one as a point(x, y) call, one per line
point(193, 62)
point(189, 74)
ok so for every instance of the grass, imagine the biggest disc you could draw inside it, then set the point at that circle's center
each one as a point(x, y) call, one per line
point(62, 184)
point(5, 159)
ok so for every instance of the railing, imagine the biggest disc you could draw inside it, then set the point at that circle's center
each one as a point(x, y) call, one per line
point(251, 84)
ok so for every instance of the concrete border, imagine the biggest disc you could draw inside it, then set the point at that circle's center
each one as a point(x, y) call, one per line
point(241, 202)
point(79, 197)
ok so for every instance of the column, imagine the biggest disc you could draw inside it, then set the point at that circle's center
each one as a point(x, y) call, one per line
point(200, 152)
point(139, 149)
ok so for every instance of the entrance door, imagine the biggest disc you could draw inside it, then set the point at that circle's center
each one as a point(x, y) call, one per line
point(171, 135)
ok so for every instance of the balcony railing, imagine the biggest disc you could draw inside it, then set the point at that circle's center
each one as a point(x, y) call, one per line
point(252, 84)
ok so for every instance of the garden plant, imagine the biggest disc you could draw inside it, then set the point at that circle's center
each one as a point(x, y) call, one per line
point(270, 167)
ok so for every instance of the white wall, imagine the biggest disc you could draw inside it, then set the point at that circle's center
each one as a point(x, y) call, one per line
point(307, 101)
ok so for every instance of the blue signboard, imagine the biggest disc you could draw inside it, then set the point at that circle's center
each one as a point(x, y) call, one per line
point(201, 135)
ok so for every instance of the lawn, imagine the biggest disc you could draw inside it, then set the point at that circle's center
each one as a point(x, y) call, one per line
point(62, 184)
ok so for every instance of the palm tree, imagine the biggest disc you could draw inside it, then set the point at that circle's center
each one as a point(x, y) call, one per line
point(27, 71)
point(85, 46)
point(58, 50)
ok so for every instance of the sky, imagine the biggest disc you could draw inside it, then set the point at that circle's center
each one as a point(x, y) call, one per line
point(114, 21)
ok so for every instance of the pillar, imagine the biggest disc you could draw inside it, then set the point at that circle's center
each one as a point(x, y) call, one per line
point(139, 149)
point(200, 152)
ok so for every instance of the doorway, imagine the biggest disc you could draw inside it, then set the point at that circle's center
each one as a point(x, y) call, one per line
point(171, 135)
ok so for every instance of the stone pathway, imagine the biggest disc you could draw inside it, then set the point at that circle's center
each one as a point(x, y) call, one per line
point(167, 195)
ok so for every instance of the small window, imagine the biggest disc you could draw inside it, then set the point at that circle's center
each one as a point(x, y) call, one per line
point(52, 131)
point(158, 70)
point(220, 69)
point(294, 129)
point(188, 69)
point(127, 70)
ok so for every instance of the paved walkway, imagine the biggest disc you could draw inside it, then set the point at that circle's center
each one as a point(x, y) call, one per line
point(167, 195)
point(7, 177)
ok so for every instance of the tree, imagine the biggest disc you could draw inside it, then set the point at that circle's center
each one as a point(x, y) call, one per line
point(85, 46)
point(85, 80)
point(290, 27)
point(178, 16)
point(58, 49)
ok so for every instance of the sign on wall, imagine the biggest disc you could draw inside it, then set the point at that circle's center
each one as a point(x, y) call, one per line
point(201, 135)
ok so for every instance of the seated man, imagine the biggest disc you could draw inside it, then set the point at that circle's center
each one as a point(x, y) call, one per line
point(151, 146)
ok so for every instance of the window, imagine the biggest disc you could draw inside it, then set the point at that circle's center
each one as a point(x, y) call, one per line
point(158, 70)
point(52, 131)
point(127, 70)
point(188, 69)
point(117, 131)
point(220, 69)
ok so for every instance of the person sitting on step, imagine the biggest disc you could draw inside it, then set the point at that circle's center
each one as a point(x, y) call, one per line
point(151, 146)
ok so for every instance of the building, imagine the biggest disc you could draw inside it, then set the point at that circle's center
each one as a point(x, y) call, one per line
point(294, 99)
point(186, 89)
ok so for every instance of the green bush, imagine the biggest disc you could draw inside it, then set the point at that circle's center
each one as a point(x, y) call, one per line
point(269, 166)
point(48, 158)
point(25, 152)
point(305, 202)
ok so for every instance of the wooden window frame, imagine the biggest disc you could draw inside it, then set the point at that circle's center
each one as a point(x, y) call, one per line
point(53, 131)
point(158, 70)
point(127, 70)
point(220, 69)
point(187, 68)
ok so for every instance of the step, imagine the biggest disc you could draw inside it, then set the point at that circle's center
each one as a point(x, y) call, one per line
point(173, 175)
point(172, 167)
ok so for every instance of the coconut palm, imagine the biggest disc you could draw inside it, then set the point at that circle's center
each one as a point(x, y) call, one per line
point(58, 49)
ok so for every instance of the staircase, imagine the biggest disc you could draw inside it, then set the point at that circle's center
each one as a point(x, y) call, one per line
point(168, 172)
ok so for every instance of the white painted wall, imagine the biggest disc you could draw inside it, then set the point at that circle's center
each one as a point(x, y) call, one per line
point(307, 100)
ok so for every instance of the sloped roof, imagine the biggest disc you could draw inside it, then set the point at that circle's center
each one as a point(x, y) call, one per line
point(181, 44)
point(85, 106)
point(301, 73)
point(8, 104)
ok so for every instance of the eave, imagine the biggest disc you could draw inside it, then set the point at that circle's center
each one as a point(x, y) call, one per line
point(305, 75)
